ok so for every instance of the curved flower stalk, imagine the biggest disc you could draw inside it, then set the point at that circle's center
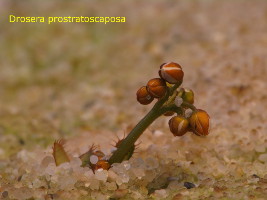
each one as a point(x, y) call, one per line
point(170, 100)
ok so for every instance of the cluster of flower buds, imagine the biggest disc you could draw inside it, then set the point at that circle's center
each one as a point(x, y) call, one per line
point(198, 123)
point(172, 73)
point(170, 101)
point(156, 87)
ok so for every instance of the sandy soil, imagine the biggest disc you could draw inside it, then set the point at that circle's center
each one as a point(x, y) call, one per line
point(78, 82)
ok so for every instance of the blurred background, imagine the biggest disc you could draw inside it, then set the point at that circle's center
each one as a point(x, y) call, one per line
point(64, 79)
point(78, 81)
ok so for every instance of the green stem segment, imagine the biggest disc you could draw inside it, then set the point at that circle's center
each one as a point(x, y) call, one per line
point(129, 141)
point(191, 106)
point(137, 131)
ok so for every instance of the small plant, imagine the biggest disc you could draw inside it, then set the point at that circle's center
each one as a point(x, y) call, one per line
point(170, 100)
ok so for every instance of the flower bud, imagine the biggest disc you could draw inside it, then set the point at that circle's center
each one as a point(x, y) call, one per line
point(178, 125)
point(188, 96)
point(143, 96)
point(199, 122)
point(171, 72)
point(156, 87)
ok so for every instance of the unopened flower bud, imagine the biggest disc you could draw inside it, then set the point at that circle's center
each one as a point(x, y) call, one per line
point(199, 122)
point(171, 72)
point(188, 96)
point(178, 125)
point(156, 87)
point(143, 96)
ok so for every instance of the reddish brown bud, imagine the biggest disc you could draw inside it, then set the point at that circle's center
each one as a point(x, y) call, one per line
point(156, 87)
point(171, 72)
point(143, 96)
point(178, 125)
point(199, 122)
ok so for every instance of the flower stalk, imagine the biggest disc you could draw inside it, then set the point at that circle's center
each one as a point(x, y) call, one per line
point(171, 100)
point(158, 109)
